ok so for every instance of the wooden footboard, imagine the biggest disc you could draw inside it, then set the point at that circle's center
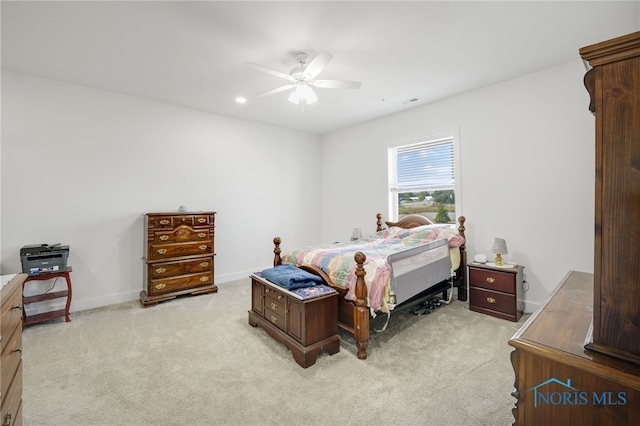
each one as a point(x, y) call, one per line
point(354, 316)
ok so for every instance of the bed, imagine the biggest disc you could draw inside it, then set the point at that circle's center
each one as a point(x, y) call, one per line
point(399, 266)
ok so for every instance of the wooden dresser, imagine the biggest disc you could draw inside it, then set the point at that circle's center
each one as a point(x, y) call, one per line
point(306, 326)
point(558, 381)
point(577, 359)
point(178, 255)
point(496, 291)
point(11, 352)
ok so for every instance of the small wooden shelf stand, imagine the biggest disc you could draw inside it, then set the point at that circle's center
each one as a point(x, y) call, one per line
point(46, 316)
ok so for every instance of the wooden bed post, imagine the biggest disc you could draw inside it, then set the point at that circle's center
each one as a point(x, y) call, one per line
point(379, 222)
point(277, 260)
point(361, 312)
point(462, 281)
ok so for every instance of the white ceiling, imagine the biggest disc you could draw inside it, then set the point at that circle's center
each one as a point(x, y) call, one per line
point(195, 54)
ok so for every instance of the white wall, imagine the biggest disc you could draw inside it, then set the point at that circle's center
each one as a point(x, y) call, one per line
point(81, 166)
point(527, 171)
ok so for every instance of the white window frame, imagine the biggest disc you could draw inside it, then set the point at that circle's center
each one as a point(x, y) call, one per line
point(392, 171)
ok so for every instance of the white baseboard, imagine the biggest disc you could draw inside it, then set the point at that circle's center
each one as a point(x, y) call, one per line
point(530, 307)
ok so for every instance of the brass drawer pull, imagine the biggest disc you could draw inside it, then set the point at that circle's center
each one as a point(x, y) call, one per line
point(161, 271)
point(204, 279)
point(202, 235)
point(164, 222)
point(164, 237)
point(491, 280)
point(279, 296)
point(7, 420)
point(274, 306)
point(202, 220)
point(204, 264)
point(160, 286)
point(491, 300)
point(274, 319)
point(162, 251)
point(203, 247)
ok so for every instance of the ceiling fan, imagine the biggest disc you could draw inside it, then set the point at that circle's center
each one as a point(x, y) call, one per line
point(304, 76)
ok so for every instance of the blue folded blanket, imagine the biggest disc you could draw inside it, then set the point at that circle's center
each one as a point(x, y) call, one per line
point(290, 277)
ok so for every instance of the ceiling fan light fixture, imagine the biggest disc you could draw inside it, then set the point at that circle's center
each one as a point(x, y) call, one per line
point(303, 93)
point(302, 77)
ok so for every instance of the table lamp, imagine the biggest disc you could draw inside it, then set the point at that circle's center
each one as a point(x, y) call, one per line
point(499, 248)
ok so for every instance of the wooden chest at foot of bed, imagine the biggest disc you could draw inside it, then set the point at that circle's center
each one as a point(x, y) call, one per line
point(305, 326)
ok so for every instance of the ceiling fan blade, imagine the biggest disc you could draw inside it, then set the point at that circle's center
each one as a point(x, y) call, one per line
point(336, 84)
point(272, 72)
point(317, 64)
point(277, 90)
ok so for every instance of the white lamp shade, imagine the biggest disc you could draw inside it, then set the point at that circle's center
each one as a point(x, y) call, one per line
point(499, 246)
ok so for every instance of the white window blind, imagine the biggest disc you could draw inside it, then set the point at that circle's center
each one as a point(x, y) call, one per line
point(423, 166)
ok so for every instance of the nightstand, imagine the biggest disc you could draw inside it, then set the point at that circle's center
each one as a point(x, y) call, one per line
point(496, 291)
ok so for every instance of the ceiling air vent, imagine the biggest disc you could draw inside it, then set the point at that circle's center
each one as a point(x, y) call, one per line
point(410, 101)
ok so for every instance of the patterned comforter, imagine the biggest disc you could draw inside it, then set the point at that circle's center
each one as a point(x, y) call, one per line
point(337, 260)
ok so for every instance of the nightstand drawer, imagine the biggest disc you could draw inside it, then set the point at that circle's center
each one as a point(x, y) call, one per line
point(489, 299)
point(492, 280)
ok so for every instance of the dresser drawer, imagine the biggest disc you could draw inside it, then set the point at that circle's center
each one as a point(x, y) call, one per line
point(492, 280)
point(184, 282)
point(166, 251)
point(273, 294)
point(183, 234)
point(11, 316)
point(178, 220)
point(275, 318)
point(10, 359)
point(171, 269)
point(12, 401)
point(276, 304)
point(489, 299)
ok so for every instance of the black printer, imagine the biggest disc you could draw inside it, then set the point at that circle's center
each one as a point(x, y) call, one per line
point(44, 258)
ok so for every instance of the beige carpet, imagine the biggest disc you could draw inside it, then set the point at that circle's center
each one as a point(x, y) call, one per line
point(196, 361)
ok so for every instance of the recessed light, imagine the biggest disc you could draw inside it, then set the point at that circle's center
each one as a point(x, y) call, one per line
point(241, 100)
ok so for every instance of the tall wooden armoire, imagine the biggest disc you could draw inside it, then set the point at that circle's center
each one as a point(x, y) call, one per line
point(577, 358)
point(614, 86)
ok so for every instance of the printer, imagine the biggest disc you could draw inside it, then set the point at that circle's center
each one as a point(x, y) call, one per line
point(44, 258)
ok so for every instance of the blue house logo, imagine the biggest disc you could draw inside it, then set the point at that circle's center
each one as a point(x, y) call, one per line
point(568, 395)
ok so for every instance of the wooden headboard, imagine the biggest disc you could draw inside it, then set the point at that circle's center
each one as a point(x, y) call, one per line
point(413, 220)
point(409, 221)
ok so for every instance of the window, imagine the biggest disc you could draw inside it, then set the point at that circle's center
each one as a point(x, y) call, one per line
point(422, 179)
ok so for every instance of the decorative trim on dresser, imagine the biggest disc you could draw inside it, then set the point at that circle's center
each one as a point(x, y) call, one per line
point(179, 255)
point(11, 351)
